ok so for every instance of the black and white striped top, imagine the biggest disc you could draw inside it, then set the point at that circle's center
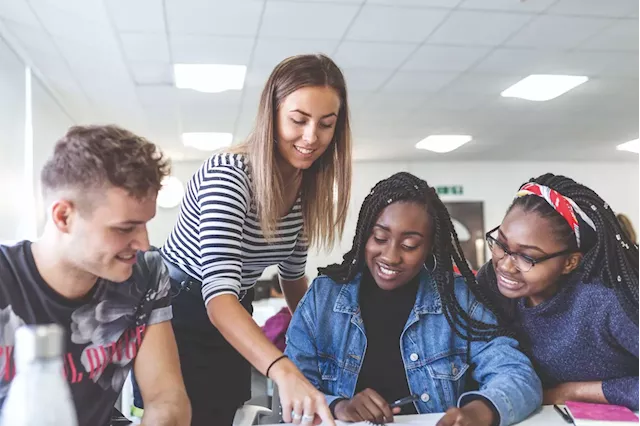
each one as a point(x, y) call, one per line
point(217, 239)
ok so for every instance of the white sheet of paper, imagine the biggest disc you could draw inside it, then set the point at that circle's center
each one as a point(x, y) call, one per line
point(416, 420)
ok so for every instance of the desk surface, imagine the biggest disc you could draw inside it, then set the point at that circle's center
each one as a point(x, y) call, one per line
point(546, 416)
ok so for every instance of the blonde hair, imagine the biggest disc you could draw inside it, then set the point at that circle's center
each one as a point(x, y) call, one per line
point(627, 227)
point(326, 185)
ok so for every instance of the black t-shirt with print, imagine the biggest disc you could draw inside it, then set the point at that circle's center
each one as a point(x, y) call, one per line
point(104, 329)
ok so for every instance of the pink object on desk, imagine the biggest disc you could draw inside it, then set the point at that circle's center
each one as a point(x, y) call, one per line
point(600, 412)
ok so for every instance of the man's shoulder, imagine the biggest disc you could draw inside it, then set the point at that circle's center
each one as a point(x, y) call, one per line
point(12, 254)
point(150, 273)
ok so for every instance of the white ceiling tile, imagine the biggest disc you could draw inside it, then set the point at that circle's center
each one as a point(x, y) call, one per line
point(98, 66)
point(418, 81)
point(558, 31)
point(195, 99)
point(444, 58)
point(32, 39)
point(18, 11)
point(306, 20)
point(329, 1)
point(508, 5)
point(365, 79)
point(352, 54)
point(269, 52)
point(138, 15)
point(597, 63)
point(92, 10)
point(623, 65)
point(417, 3)
point(390, 24)
point(142, 47)
point(158, 97)
point(480, 83)
point(403, 101)
point(195, 118)
point(72, 25)
point(622, 35)
point(610, 8)
point(478, 28)
point(192, 49)
point(151, 73)
point(452, 101)
point(257, 77)
point(235, 18)
point(520, 61)
point(358, 99)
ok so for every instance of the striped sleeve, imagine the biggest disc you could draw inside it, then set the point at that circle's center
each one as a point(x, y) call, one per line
point(224, 198)
point(293, 267)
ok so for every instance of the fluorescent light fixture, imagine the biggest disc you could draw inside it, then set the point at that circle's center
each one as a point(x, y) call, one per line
point(443, 143)
point(207, 141)
point(171, 193)
point(209, 78)
point(631, 146)
point(543, 87)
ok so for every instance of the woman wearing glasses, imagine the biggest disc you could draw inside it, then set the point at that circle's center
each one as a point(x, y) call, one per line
point(565, 277)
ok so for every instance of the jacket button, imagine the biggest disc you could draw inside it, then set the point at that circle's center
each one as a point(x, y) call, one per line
point(413, 357)
point(454, 371)
point(424, 397)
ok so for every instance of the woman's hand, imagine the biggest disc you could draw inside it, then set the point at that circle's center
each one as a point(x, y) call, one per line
point(301, 402)
point(475, 413)
point(366, 405)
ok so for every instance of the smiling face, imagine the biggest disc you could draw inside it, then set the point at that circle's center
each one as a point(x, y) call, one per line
point(532, 235)
point(306, 125)
point(104, 240)
point(400, 241)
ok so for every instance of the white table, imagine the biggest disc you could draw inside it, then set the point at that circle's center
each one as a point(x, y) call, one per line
point(546, 416)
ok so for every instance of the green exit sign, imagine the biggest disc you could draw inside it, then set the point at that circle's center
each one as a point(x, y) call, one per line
point(450, 190)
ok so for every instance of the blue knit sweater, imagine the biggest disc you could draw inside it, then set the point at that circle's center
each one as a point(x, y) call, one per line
point(580, 334)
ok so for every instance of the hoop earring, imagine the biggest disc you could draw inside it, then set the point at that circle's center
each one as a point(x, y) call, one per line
point(435, 263)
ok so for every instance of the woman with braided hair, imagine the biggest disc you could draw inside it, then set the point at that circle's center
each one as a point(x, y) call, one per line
point(565, 277)
point(392, 320)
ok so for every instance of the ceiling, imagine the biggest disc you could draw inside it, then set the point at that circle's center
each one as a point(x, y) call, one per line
point(413, 68)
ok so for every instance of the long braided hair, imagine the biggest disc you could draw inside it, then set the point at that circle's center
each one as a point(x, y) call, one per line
point(405, 187)
point(609, 254)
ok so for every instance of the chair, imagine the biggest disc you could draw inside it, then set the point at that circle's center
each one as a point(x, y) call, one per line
point(249, 415)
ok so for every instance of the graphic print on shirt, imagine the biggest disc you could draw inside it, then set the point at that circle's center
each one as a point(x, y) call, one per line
point(108, 334)
point(9, 323)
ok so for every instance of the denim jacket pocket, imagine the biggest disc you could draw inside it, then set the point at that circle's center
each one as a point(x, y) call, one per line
point(329, 372)
point(448, 374)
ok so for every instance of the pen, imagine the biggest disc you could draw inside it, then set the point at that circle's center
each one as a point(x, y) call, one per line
point(567, 418)
point(404, 401)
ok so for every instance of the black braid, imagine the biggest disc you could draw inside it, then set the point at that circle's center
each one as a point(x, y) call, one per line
point(612, 257)
point(446, 250)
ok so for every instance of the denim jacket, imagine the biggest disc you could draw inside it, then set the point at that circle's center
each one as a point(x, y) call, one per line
point(327, 341)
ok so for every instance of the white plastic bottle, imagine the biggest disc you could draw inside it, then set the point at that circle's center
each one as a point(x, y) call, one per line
point(39, 394)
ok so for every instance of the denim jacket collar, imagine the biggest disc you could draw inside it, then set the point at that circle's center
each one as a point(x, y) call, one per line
point(427, 299)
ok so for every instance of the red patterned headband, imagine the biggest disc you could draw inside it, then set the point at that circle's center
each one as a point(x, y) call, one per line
point(563, 205)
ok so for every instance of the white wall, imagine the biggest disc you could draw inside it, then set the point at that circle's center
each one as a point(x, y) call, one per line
point(493, 183)
point(50, 123)
point(12, 131)
point(27, 141)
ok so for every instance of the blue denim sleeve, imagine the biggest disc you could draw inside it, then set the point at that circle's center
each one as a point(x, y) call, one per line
point(505, 375)
point(301, 342)
point(623, 390)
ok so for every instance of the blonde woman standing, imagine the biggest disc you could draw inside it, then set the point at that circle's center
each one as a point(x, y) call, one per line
point(262, 203)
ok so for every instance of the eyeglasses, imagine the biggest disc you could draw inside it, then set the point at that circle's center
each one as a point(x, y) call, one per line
point(521, 261)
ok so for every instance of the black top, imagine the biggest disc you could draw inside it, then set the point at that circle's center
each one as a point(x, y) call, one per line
point(384, 314)
point(104, 329)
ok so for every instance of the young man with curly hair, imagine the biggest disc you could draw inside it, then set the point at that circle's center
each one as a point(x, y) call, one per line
point(91, 272)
